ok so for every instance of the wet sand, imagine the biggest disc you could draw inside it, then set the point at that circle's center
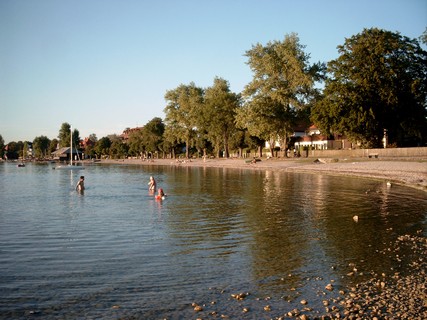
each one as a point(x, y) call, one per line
point(408, 172)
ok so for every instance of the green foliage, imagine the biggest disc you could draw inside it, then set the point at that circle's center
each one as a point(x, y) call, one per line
point(41, 147)
point(90, 146)
point(102, 147)
point(136, 144)
point(24, 151)
point(14, 150)
point(148, 139)
point(64, 135)
point(182, 110)
point(378, 82)
point(170, 139)
point(53, 145)
point(118, 150)
point(217, 117)
point(76, 139)
point(237, 140)
point(283, 83)
point(152, 134)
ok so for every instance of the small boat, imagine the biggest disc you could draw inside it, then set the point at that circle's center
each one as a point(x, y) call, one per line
point(22, 164)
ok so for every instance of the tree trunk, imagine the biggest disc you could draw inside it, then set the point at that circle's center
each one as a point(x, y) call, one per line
point(187, 151)
point(272, 143)
point(284, 144)
point(227, 153)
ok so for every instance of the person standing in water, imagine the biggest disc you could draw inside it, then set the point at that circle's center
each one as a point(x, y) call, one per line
point(80, 187)
point(152, 185)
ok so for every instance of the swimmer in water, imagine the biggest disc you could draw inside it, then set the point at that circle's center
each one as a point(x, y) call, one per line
point(152, 185)
point(80, 187)
point(160, 194)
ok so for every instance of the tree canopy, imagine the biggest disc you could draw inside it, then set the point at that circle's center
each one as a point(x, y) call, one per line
point(283, 83)
point(377, 83)
point(41, 146)
point(183, 105)
point(218, 114)
point(64, 135)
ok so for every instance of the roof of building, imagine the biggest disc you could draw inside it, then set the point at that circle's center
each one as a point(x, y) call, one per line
point(64, 151)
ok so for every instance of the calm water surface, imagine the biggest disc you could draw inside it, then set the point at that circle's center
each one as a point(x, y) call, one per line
point(115, 252)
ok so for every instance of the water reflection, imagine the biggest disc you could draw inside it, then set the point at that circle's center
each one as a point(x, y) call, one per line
point(274, 234)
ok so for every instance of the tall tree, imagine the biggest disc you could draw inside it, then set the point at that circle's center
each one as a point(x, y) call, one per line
point(218, 114)
point(76, 139)
point(53, 145)
point(136, 143)
point(170, 139)
point(283, 83)
point(90, 145)
point(13, 149)
point(118, 149)
point(41, 146)
point(237, 141)
point(64, 135)
point(183, 105)
point(377, 83)
point(152, 134)
point(24, 151)
point(102, 147)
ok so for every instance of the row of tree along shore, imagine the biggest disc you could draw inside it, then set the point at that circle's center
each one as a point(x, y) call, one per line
point(376, 86)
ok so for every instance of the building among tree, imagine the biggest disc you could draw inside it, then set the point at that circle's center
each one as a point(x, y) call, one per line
point(128, 131)
point(312, 138)
point(63, 154)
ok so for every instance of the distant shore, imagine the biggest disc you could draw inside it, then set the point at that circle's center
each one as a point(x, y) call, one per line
point(408, 172)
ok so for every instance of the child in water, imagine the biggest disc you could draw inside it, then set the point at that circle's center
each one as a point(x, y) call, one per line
point(160, 194)
point(80, 187)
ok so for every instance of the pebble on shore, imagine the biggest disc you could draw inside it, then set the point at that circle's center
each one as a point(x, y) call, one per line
point(395, 296)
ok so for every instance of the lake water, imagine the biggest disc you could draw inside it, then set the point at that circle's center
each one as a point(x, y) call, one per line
point(116, 253)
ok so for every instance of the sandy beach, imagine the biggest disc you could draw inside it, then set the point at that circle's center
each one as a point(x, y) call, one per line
point(408, 172)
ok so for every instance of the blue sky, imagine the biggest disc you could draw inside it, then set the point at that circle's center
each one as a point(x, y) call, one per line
point(105, 65)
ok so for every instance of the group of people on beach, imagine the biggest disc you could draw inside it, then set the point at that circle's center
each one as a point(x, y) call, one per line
point(152, 186)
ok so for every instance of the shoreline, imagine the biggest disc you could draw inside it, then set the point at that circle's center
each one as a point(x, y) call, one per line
point(409, 172)
point(400, 293)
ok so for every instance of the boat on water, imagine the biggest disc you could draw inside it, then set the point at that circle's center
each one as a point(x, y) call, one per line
point(22, 164)
point(70, 166)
